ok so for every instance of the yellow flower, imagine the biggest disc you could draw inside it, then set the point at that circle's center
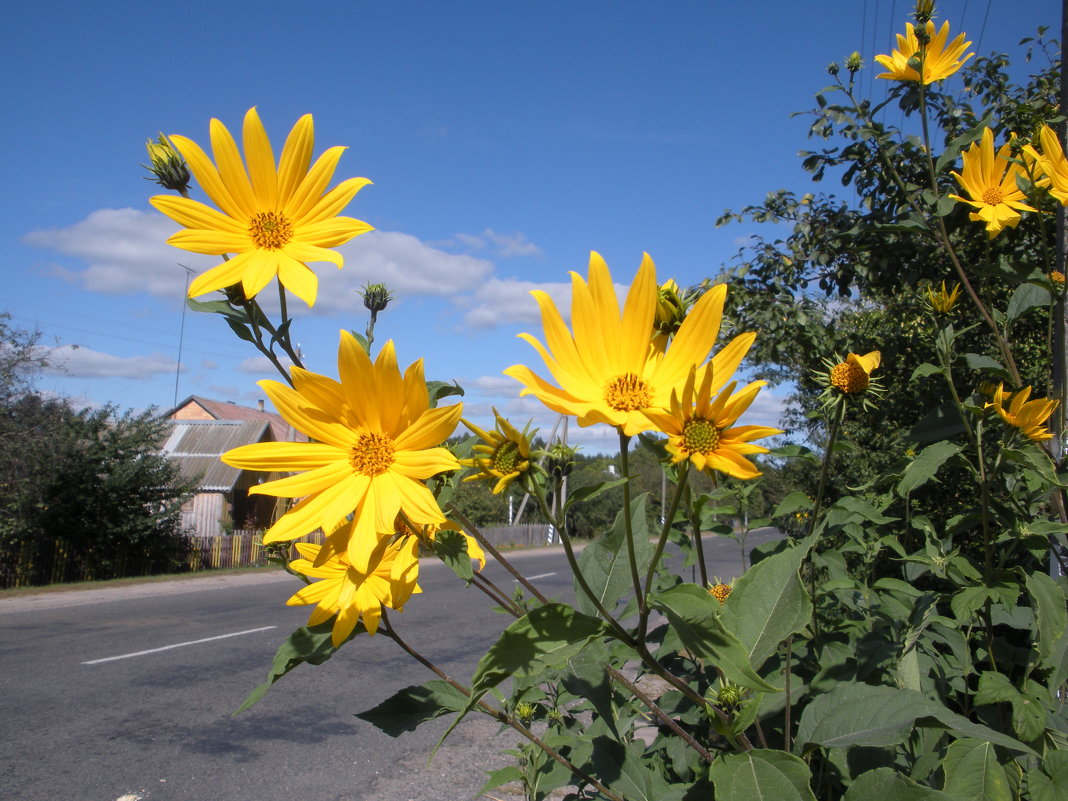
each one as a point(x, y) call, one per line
point(375, 442)
point(699, 428)
point(607, 369)
point(1056, 277)
point(943, 301)
point(939, 61)
point(351, 594)
point(506, 454)
point(273, 218)
point(854, 374)
point(1028, 416)
point(1052, 163)
point(990, 181)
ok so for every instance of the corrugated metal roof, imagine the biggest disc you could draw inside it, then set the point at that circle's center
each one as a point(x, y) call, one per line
point(195, 446)
point(228, 410)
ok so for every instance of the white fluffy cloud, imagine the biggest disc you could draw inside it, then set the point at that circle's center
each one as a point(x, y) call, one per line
point(126, 252)
point(503, 246)
point(80, 362)
point(498, 301)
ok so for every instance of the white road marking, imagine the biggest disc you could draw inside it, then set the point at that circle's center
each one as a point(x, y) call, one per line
point(540, 575)
point(176, 645)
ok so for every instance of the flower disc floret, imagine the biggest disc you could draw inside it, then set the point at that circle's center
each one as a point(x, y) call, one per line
point(504, 455)
point(627, 393)
point(849, 377)
point(273, 217)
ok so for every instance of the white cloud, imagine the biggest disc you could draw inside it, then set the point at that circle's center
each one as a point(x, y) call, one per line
point(495, 386)
point(261, 366)
point(502, 246)
point(499, 301)
point(126, 252)
point(79, 362)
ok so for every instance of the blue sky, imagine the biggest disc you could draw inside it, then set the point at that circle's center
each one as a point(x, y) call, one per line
point(505, 141)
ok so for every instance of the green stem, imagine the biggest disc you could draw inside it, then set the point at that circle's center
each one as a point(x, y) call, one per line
point(698, 543)
point(472, 529)
point(624, 466)
point(643, 621)
point(817, 506)
point(659, 714)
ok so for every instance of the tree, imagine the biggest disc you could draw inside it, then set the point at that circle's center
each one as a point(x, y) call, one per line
point(86, 493)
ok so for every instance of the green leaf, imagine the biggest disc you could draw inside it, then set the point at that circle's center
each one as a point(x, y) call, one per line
point(972, 771)
point(887, 784)
point(412, 706)
point(1028, 709)
point(793, 502)
point(1026, 296)
point(587, 678)
point(591, 491)
point(437, 390)
point(769, 603)
point(509, 773)
point(624, 770)
point(1050, 615)
point(694, 614)
point(1051, 783)
point(923, 468)
point(977, 361)
point(925, 370)
point(451, 548)
point(943, 423)
point(761, 774)
point(604, 562)
point(311, 644)
point(851, 509)
point(867, 715)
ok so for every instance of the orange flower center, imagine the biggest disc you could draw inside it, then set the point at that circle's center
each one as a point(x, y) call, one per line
point(628, 393)
point(506, 459)
point(270, 230)
point(992, 196)
point(849, 377)
point(720, 592)
point(700, 436)
point(372, 454)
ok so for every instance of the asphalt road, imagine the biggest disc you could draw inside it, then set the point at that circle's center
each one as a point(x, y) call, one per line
point(80, 724)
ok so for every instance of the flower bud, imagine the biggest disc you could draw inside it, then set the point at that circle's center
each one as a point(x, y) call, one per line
point(168, 168)
point(854, 62)
point(560, 460)
point(924, 10)
point(670, 309)
point(832, 68)
point(376, 297)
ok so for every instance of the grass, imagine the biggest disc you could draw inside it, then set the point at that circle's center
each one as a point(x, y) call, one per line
point(14, 592)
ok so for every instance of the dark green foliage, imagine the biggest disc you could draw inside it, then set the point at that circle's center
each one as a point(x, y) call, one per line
point(86, 493)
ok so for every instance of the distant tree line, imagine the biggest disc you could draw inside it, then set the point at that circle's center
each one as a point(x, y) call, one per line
point(86, 494)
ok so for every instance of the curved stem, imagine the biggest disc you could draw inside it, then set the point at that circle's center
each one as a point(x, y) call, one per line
point(698, 543)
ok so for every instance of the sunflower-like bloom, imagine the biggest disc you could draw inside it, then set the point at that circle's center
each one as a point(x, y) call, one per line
point(944, 300)
point(990, 181)
point(505, 454)
point(1029, 416)
point(700, 427)
point(607, 370)
point(351, 594)
point(1056, 277)
point(375, 441)
point(1051, 162)
point(273, 218)
point(854, 374)
point(939, 60)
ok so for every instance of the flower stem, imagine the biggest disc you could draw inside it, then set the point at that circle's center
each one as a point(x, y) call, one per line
point(624, 466)
point(472, 529)
point(643, 624)
point(660, 714)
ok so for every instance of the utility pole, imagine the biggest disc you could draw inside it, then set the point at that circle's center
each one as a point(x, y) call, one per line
point(189, 273)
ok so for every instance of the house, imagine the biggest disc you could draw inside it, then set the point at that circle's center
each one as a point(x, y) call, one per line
point(201, 431)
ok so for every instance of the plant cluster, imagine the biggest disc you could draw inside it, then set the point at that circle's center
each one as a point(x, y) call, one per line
point(905, 642)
